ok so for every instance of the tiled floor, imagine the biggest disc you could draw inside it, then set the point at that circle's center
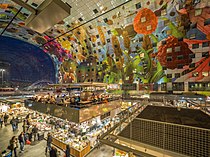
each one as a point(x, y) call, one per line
point(37, 149)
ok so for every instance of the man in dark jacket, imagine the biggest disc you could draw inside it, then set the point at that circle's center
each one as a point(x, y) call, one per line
point(13, 123)
point(53, 152)
point(49, 141)
point(6, 117)
point(21, 139)
point(35, 132)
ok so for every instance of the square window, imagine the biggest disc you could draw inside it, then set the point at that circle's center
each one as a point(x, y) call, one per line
point(109, 32)
point(205, 74)
point(149, 27)
point(169, 75)
point(192, 55)
point(179, 66)
point(108, 40)
point(163, 42)
point(169, 50)
point(138, 5)
point(207, 22)
point(195, 74)
point(192, 65)
point(180, 57)
point(80, 19)
point(169, 59)
point(198, 12)
point(105, 20)
point(205, 54)
point(195, 46)
point(193, 25)
point(177, 49)
point(34, 4)
point(143, 19)
point(205, 44)
point(95, 11)
point(177, 75)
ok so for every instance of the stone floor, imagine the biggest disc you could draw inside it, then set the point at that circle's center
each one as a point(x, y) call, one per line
point(37, 149)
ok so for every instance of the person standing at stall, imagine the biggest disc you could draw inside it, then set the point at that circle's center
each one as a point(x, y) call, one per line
point(67, 151)
point(35, 132)
point(49, 141)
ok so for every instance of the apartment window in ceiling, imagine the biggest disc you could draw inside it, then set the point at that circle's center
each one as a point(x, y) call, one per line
point(205, 54)
point(163, 42)
point(180, 66)
point(177, 49)
point(95, 11)
point(138, 5)
point(169, 75)
point(169, 50)
point(80, 19)
point(34, 5)
point(207, 22)
point(205, 74)
point(193, 25)
point(169, 59)
point(180, 57)
point(195, 46)
point(192, 65)
point(205, 44)
point(192, 55)
point(105, 20)
point(195, 74)
point(177, 75)
point(109, 32)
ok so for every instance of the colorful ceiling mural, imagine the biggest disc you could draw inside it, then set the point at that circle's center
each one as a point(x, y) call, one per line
point(122, 41)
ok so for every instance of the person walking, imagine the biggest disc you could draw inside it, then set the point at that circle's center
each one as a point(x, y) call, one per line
point(21, 139)
point(1, 120)
point(6, 117)
point(13, 145)
point(16, 122)
point(67, 151)
point(13, 123)
point(49, 141)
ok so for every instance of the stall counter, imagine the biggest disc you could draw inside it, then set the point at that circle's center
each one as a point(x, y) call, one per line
point(73, 151)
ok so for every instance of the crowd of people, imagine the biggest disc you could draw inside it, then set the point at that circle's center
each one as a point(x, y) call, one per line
point(29, 134)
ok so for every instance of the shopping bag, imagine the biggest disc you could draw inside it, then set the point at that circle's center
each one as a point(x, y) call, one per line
point(28, 142)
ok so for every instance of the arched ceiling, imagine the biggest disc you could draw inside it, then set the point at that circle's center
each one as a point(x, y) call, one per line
point(105, 30)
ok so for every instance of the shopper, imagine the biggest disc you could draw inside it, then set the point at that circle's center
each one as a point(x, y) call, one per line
point(35, 132)
point(67, 151)
point(49, 141)
point(16, 122)
point(53, 152)
point(6, 117)
point(21, 139)
point(30, 133)
point(13, 123)
point(1, 120)
point(14, 145)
